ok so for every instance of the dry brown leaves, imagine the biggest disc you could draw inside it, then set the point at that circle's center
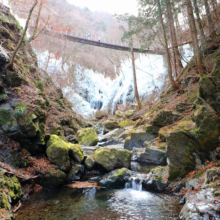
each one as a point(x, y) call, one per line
point(84, 185)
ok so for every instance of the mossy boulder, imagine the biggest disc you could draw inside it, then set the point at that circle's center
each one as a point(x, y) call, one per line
point(116, 178)
point(125, 123)
point(157, 179)
point(58, 152)
point(76, 152)
point(89, 163)
point(52, 179)
point(207, 128)
point(111, 124)
point(165, 117)
point(87, 137)
point(111, 158)
point(101, 114)
point(10, 190)
point(181, 144)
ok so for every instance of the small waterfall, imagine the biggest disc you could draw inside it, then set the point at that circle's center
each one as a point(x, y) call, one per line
point(134, 183)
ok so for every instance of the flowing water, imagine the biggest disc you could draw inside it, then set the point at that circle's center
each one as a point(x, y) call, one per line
point(93, 203)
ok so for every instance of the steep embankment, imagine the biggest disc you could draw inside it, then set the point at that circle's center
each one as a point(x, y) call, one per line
point(186, 124)
point(31, 109)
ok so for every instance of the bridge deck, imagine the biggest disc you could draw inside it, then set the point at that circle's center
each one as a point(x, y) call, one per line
point(101, 44)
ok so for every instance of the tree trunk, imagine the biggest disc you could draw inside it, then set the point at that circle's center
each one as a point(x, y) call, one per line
point(36, 23)
point(209, 17)
point(10, 65)
point(174, 43)
point(135, 80)
point(203, 40)
point(193, 31)
point(173, 83)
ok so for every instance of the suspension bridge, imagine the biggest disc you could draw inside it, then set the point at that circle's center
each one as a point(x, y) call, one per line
point(70, 37)
point(4, 9)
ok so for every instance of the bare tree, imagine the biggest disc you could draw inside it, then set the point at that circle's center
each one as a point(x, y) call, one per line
point(135, 79)
point(10, 65)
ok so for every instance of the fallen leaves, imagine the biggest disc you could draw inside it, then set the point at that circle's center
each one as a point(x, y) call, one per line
point(84, 185)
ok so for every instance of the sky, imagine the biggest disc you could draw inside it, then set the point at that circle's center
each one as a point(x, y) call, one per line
point(110, 6)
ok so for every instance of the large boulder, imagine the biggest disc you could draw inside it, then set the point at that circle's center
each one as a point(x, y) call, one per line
point(116, 178)
point(137, 139)
point(87, 137)
point(111, 158)
point(181, 146)
point(165, 117)
point(58, 152)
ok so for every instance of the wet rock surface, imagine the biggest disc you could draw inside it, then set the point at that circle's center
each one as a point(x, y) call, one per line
point(116, 178)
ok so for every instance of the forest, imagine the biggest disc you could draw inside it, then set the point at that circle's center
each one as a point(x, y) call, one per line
point(110, 116)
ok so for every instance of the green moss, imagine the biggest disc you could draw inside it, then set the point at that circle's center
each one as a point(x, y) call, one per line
point(76, 152)
point(200, 173)
point(87, 137)
point(123, 124)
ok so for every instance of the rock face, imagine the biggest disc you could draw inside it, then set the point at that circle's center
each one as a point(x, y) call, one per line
point(137, 140)
point(116, 178)
point(59, 152)
point(165, 117)
point(181, 145)
point(157, 179)
point(10, 190)
point(111, 158)
point(87, 137)
point(208, 129)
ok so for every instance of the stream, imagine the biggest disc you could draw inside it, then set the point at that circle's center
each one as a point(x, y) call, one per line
point(100, 203)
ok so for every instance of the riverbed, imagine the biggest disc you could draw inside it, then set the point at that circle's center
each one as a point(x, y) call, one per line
point(89, 202)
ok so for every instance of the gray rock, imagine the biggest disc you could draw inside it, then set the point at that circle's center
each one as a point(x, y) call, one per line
point(137, 140)
point(153, 155)
point(116, 178)
point(201, 206)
